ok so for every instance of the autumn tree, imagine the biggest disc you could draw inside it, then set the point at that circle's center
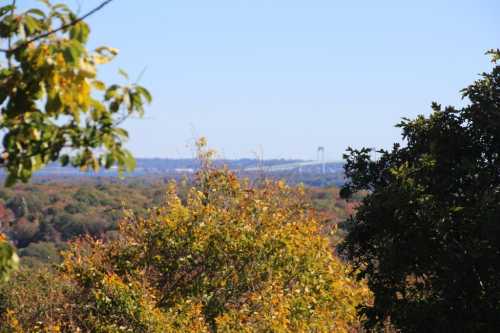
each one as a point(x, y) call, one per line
point(427, 236)
point(230, 257)
point(53, 107)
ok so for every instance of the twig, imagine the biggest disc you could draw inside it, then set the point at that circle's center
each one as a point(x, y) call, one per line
point(139, 77)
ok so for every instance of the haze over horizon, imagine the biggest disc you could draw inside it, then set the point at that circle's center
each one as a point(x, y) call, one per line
point(278, 78)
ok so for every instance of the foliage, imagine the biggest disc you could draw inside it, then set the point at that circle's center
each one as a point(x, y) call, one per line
point(427, 235)
point(53, 107)
point(51, 98)
point(229, 257)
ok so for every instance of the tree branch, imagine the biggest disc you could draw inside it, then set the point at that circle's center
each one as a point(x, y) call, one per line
point(62, 27)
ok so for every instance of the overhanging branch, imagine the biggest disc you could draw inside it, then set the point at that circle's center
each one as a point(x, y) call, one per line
point(62, 27)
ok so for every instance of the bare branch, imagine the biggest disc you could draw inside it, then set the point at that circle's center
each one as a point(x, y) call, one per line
point(62, 27)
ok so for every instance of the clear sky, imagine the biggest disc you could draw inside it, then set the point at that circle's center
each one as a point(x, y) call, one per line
point(282, 77)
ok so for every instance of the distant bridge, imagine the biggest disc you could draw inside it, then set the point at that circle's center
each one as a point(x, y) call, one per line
point(291, 166)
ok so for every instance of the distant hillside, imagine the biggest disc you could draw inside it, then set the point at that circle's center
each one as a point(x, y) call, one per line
point(169, 165)
point(294, 171)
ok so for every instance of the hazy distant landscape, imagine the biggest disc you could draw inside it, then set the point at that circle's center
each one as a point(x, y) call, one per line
point(313, 173)
point(370, 202)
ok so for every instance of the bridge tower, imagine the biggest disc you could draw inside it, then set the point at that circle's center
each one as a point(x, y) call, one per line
point(321, 158)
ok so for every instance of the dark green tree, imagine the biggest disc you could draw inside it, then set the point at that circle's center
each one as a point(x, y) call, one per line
point(427, 235)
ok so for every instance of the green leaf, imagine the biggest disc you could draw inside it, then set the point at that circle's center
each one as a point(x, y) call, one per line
point(6, 9)
point(145, 93)
point(61, 7)
point(54, 104)
point(73, 52)
point(104, 54)
point(129, 161)
point(99, 85)
point(9, 261)
point(121, 133)
point(36, 162)
point(111, 91)
point(80, 32)
point(37, 12)
point(106, 50)
point(32, 25)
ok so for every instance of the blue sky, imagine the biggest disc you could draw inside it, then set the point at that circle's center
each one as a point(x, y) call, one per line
point(278, 78)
